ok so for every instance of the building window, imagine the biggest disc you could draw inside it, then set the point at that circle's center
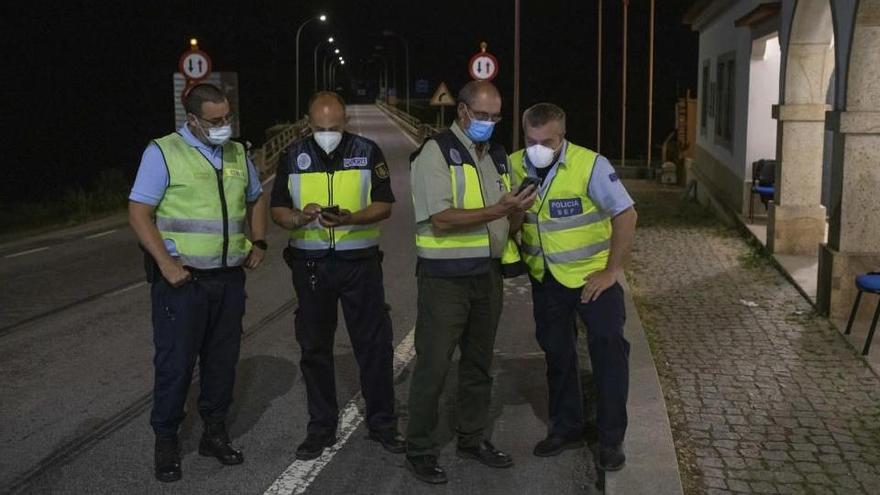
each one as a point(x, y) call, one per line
point(704, 99)
point(725, 107)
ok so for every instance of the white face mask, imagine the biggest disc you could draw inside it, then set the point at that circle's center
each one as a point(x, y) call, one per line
point(540, 156)
point(328, 140)
point(219, 135)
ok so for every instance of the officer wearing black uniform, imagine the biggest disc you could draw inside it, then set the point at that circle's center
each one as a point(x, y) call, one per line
point(332, 189)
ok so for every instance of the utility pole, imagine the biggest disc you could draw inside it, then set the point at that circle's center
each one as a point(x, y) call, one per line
point(515, 140)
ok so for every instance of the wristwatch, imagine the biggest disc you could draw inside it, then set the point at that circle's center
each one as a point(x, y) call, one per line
point(260, 243)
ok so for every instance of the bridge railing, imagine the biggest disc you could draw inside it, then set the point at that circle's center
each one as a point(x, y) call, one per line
point(265, 158)
point(409, 123)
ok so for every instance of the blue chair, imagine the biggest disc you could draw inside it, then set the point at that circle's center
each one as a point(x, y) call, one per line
point(869, 282)
point(763, 179)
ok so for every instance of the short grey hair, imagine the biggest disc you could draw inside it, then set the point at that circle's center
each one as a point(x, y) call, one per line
point(540, 114)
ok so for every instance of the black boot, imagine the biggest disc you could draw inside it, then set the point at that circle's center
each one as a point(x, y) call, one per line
point(215, 443)
point(167, 458)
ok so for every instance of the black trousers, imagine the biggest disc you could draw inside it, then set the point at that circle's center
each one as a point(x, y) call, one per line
point(201, 319)
point(554, 307)
point(320, 285)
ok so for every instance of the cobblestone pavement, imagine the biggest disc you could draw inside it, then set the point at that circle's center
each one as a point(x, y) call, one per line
point(763, 395)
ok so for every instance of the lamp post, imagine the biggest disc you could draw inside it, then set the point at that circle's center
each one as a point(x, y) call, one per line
point(406, 55)
point(315, 65)
point(325, 70)
point(380, 56)
point(322, 18)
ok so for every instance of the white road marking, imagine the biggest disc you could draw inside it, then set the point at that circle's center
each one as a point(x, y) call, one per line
point(402, 131)
point(100, 234)
point(125, 289)
point(29, 251)
point(299, 475)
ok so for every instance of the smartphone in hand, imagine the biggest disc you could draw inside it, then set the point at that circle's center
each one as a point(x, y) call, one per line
point(529, 181)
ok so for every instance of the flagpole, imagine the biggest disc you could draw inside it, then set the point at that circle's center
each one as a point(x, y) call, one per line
point(623, 90)
point(599, 79)
point(651, 82)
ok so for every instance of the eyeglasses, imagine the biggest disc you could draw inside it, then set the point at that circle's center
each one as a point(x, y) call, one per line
point(491, 117)
point(226, 119)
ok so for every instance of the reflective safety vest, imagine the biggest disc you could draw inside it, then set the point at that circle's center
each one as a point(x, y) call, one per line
point(203, 209)
point(564, 230)
point(349, 188)
point(465, 252)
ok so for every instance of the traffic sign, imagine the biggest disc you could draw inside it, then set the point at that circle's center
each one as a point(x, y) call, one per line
point(194, 64)
point(483, 66)
point(442, 97)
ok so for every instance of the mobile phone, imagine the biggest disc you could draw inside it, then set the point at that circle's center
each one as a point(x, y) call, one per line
point(529, 181)
point(332, 209)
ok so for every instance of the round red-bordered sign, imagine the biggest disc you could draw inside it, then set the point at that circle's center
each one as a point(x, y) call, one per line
point(195, 65)
point(483, 66)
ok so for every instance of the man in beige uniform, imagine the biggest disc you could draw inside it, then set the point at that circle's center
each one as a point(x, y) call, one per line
point(462, 202)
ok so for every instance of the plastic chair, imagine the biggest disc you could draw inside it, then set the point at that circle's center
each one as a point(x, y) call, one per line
point(869, 282)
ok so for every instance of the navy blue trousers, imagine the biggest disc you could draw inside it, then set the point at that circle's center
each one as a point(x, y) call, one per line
point(555, 306)
point(199, 320)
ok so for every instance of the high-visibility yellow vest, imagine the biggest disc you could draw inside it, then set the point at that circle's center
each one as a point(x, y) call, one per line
point(349, 188)
point(203, 209)
point(466, 252)
point(564, 231)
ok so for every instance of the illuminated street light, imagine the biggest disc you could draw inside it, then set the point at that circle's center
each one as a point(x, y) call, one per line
point(322, 18)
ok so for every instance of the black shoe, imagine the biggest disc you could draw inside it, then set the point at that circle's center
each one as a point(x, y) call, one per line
point(425, 468)
point(554, 445)
point(215, 443)
point(313, 446)
point(611, 458)
point(487, 454)
point(390, 439)
point(167, 458)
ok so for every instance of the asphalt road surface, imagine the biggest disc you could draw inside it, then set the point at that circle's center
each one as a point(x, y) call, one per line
point(76, 376)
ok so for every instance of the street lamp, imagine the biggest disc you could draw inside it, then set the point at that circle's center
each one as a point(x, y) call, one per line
point(388, 32)
point(380, 56)
point(324, 69)
point(315, 66)
point(322, 18)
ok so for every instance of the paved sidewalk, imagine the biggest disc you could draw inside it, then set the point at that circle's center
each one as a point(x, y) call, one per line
point(764, 396)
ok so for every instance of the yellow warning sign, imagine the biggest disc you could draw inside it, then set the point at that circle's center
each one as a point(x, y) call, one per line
point(443, 97)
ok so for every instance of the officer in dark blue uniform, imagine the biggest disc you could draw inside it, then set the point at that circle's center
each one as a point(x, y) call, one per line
point(331, 190)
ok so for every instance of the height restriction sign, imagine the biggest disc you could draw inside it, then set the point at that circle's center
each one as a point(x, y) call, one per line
point(194, 64)
point(483, 66)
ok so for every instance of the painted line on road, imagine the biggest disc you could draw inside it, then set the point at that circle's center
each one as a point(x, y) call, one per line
point(100, 234)
point(29, 251)
point(125, 289)
point(402, 131)
point(299, 475)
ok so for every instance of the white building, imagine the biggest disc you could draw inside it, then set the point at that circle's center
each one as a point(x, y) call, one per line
point(798, 81)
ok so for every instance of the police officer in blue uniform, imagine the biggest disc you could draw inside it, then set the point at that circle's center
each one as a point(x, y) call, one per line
point(195, 190)
point(331, 191)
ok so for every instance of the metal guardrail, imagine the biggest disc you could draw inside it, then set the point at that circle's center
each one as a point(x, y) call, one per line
point(266, 157)
point(409, 123)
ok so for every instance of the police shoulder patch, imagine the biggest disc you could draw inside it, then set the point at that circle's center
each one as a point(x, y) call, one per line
point(455, 155)
point(382, 170)
point(303, 161)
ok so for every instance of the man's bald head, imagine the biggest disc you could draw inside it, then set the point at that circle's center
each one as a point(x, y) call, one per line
point(327, 112)
point(478, 100)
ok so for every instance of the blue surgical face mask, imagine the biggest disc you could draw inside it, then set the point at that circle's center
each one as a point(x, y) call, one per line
point(479, 130)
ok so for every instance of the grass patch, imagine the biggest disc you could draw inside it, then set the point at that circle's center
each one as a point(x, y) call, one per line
point(75, 205)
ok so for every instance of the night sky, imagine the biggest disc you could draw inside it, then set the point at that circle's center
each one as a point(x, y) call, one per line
point(86, 85)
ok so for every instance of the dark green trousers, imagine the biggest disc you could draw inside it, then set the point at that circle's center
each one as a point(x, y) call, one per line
point(462, 312)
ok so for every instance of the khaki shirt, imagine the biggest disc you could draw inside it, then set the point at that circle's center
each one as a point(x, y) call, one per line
point(432, 186)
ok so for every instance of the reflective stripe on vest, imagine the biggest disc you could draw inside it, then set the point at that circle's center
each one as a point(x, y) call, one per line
point(203, 209)
point(350, 189)
point(571, 242)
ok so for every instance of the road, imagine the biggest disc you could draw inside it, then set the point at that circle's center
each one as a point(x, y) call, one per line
point(76, 376)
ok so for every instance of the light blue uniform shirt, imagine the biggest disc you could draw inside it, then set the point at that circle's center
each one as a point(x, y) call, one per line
point(605, 189)
point(152, 177)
